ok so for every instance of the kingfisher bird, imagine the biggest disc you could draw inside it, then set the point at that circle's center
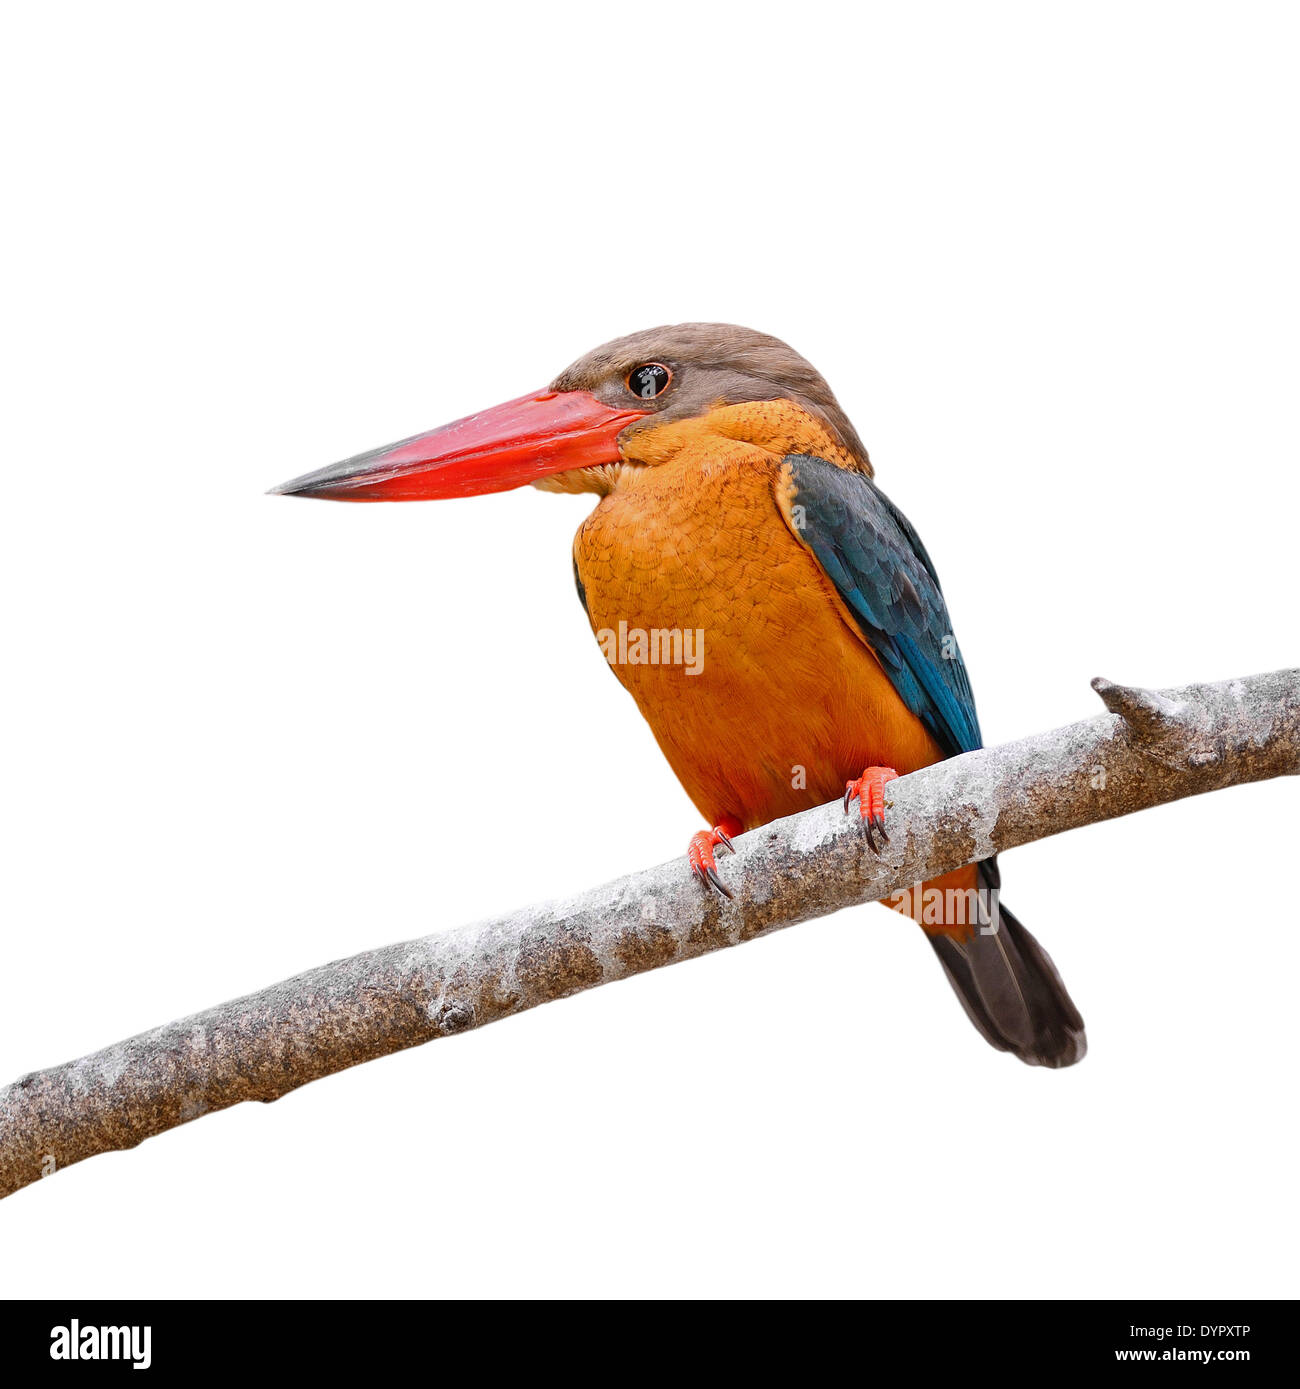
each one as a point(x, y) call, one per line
point(774, 615)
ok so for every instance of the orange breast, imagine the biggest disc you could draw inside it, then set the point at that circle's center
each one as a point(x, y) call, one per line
point(765, 701)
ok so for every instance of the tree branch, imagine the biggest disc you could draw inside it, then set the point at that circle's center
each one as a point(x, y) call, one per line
point(1150, 748)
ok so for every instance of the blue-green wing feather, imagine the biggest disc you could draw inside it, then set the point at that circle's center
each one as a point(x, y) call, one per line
point(876, 561)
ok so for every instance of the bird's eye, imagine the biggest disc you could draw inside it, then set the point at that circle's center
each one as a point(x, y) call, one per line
point(649, 380)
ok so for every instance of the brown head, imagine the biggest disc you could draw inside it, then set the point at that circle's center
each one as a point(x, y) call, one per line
point(625, 403)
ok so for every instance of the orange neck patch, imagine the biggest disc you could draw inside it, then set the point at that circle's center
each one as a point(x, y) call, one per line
point(760, 430)
point(777, 427)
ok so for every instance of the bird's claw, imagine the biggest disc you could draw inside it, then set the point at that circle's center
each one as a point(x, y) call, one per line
point(869, 789)
point(699, 855)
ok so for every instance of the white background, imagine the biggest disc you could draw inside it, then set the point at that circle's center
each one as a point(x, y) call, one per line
point(1046, 256)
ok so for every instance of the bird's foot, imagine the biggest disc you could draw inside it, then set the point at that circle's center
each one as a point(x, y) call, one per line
point(870, 791)
point(699, 853)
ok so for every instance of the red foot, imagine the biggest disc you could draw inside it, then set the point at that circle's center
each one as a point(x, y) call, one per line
point(870, 791)
point(699, 853)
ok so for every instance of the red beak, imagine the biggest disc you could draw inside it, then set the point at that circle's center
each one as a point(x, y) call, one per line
point(538, 434)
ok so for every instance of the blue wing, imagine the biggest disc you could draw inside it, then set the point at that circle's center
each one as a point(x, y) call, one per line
point(880, 568)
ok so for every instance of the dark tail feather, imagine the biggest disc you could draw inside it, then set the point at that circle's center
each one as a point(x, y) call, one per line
point(1011, 991)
